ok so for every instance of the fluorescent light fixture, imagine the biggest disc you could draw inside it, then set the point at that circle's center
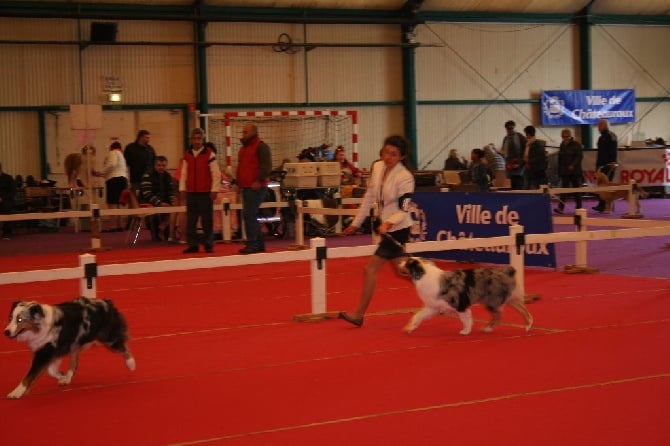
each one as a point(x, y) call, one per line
point(114, 97)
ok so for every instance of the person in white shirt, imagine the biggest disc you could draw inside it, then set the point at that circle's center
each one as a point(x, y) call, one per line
point(114, 171)
point(390, 187)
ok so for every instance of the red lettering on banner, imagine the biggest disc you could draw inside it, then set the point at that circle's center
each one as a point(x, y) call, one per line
point(643, 176)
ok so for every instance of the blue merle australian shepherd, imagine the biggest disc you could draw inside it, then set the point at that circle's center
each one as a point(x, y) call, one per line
point(455, 291)
point(55, 331)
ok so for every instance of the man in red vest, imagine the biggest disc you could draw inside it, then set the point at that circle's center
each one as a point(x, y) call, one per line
point(198, 185)
point(253, 171)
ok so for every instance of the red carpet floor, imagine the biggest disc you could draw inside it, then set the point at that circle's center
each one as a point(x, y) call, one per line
point(220, 362)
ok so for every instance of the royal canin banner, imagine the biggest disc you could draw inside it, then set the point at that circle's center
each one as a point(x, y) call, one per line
point(647, 167)
point(577, 107)
point(455, 215)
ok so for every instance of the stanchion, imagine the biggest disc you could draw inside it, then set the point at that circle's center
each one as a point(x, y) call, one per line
point(634, 210)
point(299, 227)
point(338, 201)
point(580, 265)
point(318, 285)
point(516, 260)
point(225, 221)
point(96, 244)
point(87, 285)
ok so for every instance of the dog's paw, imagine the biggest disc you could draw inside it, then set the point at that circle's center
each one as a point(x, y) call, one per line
point(408, 328)
point(65, 378)
point(465, 332)
point(130, 363)
point(17, 393)
point(488, 329)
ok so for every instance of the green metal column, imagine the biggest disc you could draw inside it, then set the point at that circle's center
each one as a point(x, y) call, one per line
point(201, 67)
point(44, 165)
point(585, 66)
point(409, 93)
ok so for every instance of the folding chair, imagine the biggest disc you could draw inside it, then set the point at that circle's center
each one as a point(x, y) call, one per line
point(129, 198)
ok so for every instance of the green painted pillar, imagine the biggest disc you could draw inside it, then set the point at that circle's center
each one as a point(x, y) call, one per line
point(409, 93)
point(585, 65)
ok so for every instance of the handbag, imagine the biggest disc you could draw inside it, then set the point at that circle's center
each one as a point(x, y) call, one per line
point(513, 164)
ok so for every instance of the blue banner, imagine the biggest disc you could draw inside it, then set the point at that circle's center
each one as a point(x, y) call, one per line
point(575, 107)
point(454, 215)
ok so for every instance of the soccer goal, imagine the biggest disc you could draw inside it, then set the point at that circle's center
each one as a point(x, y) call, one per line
point(287, 133)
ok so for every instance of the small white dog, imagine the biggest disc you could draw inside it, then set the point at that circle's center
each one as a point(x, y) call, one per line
point(443, 291)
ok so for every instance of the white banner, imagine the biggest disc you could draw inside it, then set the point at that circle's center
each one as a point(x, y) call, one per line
point(648, 167)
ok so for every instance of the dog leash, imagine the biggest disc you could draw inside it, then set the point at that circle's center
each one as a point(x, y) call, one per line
point(394, 241)
point(375, 227)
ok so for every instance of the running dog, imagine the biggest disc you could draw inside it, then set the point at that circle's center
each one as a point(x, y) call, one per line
point(55, 331)
point(456, 291)
point(609, 196)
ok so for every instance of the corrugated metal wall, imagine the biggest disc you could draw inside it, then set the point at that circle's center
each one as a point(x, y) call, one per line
point(276, 74)
point(629, 57)
point(486, 62)
point(19, 143)
point(475, 62)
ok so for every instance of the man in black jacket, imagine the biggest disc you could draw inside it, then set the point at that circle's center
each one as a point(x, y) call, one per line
point(512, 148)
point(608, 155)
point(157, 189)
point(140, 158)
point(570, 155)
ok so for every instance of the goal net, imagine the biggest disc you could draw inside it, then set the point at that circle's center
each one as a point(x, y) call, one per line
point(287, 133)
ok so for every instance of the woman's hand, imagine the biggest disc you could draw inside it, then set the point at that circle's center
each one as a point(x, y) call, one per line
point(385, 227)
point(351, 229)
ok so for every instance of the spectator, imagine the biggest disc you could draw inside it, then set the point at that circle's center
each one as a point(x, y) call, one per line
point(512, 149)
point(139, 158)
point(478, 171)
point(198, 186)
point(608, 156)
point(114, 170)
point(495, 160)
point(350, 173)
point(570, 155)
point(535, 157)
point(253, 172)
point(454, 163)
point(391, 186)
point(7, 201)
point(158, 190)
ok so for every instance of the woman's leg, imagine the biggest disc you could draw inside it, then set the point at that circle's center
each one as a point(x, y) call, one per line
point(371, 270)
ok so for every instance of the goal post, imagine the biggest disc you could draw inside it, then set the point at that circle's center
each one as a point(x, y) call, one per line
point(287, 132)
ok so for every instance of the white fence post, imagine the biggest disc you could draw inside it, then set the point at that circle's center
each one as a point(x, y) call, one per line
point(225, 220)
point(580, 246)
point(634, 208)
point(299, 224)
point(516, 253)
point(318, 275)
point(96, 245)
point(338, 225)
point(87, 284)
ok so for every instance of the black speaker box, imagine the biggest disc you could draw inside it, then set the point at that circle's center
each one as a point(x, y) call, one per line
point(103, 32)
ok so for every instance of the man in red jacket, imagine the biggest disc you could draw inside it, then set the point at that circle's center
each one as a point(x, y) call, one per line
point(198, 185)
point(253, 171)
